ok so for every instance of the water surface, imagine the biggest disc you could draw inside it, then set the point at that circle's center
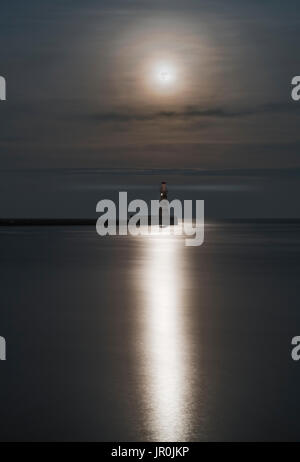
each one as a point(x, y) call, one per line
point(141, 338)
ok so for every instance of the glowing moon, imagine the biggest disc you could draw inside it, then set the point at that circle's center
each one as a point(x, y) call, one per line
point(165, 74)
point(163, 77)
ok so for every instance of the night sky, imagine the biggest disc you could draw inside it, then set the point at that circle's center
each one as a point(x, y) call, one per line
point(88, 110)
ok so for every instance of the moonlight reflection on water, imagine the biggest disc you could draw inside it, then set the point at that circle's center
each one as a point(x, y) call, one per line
point(165, 357)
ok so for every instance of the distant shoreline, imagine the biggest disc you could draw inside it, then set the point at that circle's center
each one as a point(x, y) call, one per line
point(92, 221)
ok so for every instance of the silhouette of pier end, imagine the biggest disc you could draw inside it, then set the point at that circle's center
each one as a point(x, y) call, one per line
point(150, 219)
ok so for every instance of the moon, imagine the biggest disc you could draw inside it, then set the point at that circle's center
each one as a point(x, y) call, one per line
point(165, 75)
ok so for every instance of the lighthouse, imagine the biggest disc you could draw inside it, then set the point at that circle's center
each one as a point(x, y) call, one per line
point(163, 191)
point(164, 212)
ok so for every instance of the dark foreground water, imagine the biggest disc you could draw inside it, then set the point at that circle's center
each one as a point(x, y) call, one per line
point(122, 338)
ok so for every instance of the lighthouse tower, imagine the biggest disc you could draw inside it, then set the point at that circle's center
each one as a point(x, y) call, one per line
point(163, 191)
point(164, 212)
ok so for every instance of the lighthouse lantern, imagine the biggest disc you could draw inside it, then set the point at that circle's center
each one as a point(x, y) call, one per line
point(163, 191)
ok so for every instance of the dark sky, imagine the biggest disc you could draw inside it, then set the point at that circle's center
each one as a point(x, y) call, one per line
point(83, 95)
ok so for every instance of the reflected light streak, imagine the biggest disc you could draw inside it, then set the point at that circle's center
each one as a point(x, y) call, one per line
point(165, 356)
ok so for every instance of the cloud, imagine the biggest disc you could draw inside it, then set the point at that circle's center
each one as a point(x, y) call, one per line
point(193, 112)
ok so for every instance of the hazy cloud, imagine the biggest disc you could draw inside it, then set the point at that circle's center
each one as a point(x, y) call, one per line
point(194, 112)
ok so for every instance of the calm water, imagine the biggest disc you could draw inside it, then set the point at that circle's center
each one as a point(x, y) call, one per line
point(122, 338)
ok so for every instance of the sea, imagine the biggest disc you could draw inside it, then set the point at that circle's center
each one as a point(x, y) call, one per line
point(142, 338)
